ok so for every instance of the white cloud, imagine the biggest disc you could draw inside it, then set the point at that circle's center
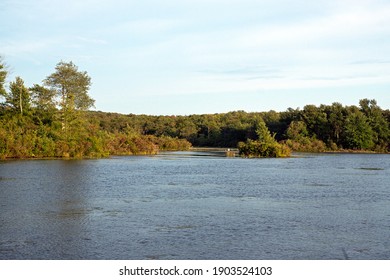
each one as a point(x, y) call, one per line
point(144, 48)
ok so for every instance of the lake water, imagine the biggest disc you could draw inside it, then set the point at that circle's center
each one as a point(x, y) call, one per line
point(196, 205)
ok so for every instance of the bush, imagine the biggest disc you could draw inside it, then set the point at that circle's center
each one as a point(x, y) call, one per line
point(252, 148)
point(306, 144)
point(265, 146)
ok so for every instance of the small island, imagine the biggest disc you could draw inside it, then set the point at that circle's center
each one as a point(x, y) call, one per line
point(265, 146)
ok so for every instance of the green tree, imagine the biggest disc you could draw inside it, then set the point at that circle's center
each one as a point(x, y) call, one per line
point(299, 140)
point(265, 146)
point(316, 121)
point(71, 87)
point(210, 129)
point(186, 128)
point(358, 132)
point(3, 76)
point(274, 124)
point(286, 118)
point(43, 101)
point(336, 119)
point(42, 98)
point(297, 130)
point(377, 121)
point(19, 96)
point(263, 134)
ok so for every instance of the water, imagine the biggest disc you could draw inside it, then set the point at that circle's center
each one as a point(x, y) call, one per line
point(194, 205)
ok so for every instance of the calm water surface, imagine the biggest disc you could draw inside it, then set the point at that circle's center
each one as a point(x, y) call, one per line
point(196, 205)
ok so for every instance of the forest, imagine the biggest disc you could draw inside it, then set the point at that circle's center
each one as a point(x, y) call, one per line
point(55, 119)
point(334, 127)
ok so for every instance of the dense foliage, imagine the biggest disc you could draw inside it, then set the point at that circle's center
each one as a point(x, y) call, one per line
point(312, 129)
point(51, 120)
point(54, 120)
point(264, 146)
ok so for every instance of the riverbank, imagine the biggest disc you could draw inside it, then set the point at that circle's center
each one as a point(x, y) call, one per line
point(354, 152)
point(223, 152)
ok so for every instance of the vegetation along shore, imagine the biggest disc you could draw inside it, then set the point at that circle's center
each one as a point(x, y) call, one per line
point(54, 119)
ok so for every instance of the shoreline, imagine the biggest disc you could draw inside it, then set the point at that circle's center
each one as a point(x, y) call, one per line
point(194, 149)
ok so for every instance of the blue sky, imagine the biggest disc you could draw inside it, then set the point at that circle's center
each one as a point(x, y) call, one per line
point(180, 57)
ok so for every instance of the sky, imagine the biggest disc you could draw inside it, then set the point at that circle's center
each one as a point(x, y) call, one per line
point(182, 57)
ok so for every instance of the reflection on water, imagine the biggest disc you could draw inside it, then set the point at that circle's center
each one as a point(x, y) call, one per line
point(196, 205)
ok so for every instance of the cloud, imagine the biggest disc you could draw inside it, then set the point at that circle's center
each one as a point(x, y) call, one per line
point(328, 30)
point(144, 48)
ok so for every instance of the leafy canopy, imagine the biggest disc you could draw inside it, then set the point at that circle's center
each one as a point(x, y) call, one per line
point(71, 87)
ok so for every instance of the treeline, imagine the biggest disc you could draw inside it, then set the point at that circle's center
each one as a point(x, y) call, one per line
point(312, 129)
point(52, 120)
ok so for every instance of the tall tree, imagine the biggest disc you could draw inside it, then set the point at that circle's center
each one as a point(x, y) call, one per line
point(19, 96)
point(42, 98)
point(263, 134)
point(3, 76)
point(377, 121)
point(336, 121)
point(316, 121)
point(71, 87)
point(358, 132)
point(43, 102)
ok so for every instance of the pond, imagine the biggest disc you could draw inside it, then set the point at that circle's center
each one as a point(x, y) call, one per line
point(196, 205)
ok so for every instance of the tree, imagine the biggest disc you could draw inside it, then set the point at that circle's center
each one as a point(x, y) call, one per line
point(42, 98)
point(336, 120)
point(3, 76)
point(299, 140)
point(358, 132)
point(316, 121)
point(186, 128)
point(286, 118)
point(274, 124)
point(19, 96)
point(265, 146)
point(297, 130)
point(43, 102)
point(71, 87)
point(263, 134)
point(377, 121)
